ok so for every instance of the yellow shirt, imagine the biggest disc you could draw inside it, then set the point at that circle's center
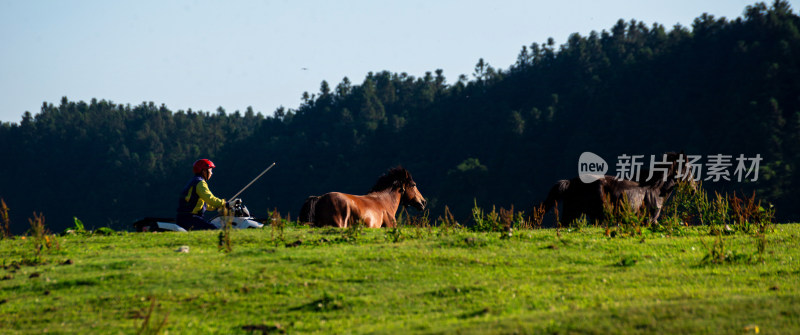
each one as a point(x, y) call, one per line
point(206, 197)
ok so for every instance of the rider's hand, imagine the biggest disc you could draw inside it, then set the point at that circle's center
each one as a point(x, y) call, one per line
point(233, 203)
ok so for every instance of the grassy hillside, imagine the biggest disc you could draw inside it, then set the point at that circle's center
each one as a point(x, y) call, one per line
point(415, 280)
point(499, 136)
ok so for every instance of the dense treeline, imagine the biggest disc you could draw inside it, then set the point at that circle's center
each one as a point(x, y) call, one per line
point(500, 137)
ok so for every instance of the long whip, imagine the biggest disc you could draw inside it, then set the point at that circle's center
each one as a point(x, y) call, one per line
point(252, 181)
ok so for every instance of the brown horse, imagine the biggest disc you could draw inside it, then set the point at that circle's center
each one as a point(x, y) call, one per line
point(375, 209)
point(645, 194)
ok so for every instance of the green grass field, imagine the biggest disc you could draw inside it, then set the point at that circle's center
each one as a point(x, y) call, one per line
point(430, 281)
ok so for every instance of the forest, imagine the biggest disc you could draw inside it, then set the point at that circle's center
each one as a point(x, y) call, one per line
point(495, 137)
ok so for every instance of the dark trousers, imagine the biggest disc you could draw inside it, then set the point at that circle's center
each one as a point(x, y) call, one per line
point(193, 222)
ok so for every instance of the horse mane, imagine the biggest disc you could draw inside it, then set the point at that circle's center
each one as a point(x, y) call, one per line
point(658, 176)
point(395, 177)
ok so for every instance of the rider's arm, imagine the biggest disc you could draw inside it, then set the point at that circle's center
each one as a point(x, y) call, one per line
point(205, 194)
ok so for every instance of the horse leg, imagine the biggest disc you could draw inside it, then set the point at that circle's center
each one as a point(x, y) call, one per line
point(373, 219)
point(388, 221)
point(655, 215)
point(342, 218)
point(654, 202)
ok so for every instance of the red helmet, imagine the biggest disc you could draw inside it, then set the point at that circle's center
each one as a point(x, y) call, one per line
point(201, 165)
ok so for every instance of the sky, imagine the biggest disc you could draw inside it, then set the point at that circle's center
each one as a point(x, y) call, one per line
point(264, 54)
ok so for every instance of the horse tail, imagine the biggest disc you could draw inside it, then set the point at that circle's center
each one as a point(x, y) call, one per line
point(309, 208)
point(556, 193)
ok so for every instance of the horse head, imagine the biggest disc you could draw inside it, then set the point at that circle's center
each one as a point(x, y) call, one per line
point(410, 195)
point(681, 170)
point(400, 180)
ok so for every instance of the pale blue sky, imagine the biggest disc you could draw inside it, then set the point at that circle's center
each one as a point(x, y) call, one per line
point(265, 54)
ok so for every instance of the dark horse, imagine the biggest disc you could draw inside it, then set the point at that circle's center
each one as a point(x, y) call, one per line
point(376, 209)
point(647, 194)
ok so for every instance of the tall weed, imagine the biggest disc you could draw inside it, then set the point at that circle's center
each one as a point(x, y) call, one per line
point(718, 254)
point(394, 234)
point(421, 224)
point(621, 219)
point(503, 220)
point(534, 221)
point(715, 214)
point(354, 230)
point(146, 327)
point(686, 204)
point(485, 222)
point(224, 239)
point(669, 224)
point(750, 216)
point(277, 227)
point(725, 213)
point(41, 238)
point(447, 223)
point(5, 231)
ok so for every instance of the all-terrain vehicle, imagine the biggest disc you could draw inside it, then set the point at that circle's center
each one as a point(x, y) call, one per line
point(241, 219)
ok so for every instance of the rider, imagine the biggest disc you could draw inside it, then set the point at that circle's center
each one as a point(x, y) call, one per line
point(196, 198)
